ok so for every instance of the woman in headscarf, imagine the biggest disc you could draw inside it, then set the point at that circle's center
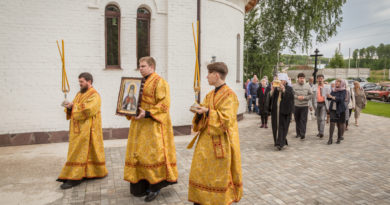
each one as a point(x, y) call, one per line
point(337, 110)
point(360, 100)
point(350, 103)
point(263, 94)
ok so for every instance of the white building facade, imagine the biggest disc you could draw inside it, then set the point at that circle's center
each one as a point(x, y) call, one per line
point(30, 66)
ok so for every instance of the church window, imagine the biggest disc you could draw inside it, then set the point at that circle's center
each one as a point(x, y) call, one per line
point(143, 33)
point(112, 35)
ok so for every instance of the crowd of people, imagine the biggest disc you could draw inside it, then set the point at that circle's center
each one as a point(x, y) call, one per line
point(215, 176)
point(331, 104)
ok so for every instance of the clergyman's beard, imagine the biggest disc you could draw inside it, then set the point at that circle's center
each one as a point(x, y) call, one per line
point(83, 89)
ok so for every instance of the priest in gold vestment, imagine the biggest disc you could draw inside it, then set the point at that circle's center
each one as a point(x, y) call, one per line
point(86, 151)
point(216, 177)
point(150, 162)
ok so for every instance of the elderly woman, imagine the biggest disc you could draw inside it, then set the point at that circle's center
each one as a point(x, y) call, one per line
point(337, 110)
point(360, 100)
point(262, 94)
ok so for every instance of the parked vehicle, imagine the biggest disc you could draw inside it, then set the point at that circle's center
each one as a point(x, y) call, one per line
point(360, 80)
point(363, 84)
point(369, 86)
point(377, 87)
point(350, 83)
point(383, 93)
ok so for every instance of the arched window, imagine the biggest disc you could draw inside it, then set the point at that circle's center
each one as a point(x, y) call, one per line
point(112, 35)
point(143, 33)
point(238, 59)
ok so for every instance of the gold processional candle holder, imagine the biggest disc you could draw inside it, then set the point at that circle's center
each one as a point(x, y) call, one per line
point(276, 83)
point(65, 83)
point(194, 107)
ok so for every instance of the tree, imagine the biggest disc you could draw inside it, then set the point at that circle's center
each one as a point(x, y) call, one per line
point(362, 53)
point(372, 57)
point(355, 56)
point(274, 25)
point(256, 58)
point(337, 61)
point(371, 52)
point(381, 51)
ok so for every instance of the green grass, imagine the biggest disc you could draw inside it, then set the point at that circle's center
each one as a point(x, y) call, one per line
point(377, 76)
point(375, 108)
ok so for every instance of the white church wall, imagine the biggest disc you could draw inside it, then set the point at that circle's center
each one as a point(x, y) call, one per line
point(223, 20)
point(181, 58)
point(30, 67)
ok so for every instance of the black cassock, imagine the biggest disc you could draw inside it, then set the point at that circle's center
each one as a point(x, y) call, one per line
point(281, 123)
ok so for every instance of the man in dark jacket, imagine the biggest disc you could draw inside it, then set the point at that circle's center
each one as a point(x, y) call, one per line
point(282, 106)
point(252, 94)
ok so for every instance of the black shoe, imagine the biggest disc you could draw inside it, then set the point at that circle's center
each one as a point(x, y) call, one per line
point(279, 147)
point(318, 135)
point(321, 135)
point(302, 137)
point(151, 196)
point(297, 136)
point(330, 142)
point(140, 194)
point(338, 141)
point(70, 183)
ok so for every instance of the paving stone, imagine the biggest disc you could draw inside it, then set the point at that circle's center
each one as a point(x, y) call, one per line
point(306, 172)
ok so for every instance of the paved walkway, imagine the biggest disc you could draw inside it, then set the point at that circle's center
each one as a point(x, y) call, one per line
point(308, 172)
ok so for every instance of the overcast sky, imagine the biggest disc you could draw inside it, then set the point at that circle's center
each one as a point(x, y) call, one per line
point(365, 23)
